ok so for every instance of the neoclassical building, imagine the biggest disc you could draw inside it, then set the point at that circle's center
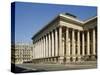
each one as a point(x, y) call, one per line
point(21, 53)
point(66, 39)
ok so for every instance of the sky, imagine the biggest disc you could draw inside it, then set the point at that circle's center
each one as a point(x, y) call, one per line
point(31, 17)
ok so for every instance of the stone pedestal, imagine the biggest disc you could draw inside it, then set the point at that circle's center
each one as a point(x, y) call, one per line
point(61, 60)
point(47, 59)
point(55, 60)
point(93, 57)
point(79, 59)
point(74, 59)
point(67, 59)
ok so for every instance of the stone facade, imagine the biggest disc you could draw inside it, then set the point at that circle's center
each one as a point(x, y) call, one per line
point(21, 53)
point(66, 39)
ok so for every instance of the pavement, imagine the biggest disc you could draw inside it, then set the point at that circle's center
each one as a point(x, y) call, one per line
point(55, 67)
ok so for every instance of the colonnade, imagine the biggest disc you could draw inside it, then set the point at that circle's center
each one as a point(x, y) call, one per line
point(53, 47)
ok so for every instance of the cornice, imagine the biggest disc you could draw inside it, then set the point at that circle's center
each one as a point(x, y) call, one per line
point(71, 19)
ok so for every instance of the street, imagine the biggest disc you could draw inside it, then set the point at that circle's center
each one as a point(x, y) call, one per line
point(55, 67)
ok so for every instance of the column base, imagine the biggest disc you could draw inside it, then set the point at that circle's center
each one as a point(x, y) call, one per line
point(44, 60)
point(61, 60)
point(79, 59)
point(48, 60)
point(51, 60)
point(93, 57)
point(74, 59)
point(68, 59)
point(55, 60)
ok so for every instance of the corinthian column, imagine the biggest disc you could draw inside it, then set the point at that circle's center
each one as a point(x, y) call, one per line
point(39, 52)
point(88, 43)
point(94, 47)
point(49, 45)
point(94, 44)
point(83, 44)
point(67, 46)
point(73, 45)
point(42, 47)
point(61, 54)
point(46, 46)
point(52, 43)
point(36, 49)
point(78, 45)
point(56, 43)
